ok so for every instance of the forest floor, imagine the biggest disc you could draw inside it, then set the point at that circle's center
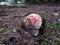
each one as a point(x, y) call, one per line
point(11, 17)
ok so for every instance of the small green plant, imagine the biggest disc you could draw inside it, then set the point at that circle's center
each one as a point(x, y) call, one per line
point(14, 30)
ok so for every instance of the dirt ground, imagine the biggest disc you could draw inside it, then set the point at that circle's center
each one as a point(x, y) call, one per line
point(12, 16)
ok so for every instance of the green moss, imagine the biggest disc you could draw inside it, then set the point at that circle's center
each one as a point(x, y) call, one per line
point(51, 26)
point(41, 43)
point(58, 42)
point(57, 26)
point(44, 43)
point(47, 25)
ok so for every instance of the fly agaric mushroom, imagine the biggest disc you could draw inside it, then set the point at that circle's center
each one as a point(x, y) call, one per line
point(33, 22)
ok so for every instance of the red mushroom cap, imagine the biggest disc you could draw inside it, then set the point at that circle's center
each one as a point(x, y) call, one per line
point(34, 19)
